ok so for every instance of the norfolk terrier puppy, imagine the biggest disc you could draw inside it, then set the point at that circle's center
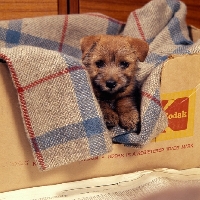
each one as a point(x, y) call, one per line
point(111, 63)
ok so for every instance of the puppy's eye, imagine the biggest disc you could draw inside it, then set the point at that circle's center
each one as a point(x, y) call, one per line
point(100, 63)
point(124, 64)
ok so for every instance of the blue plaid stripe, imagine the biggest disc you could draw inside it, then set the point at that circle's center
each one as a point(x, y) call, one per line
point(131, 139)
point(71, 61)
point(174, 5)
point(27, 39)
point(14, 36)
point(91, 129)
point(114, 27)
point(155, 58)
point(84, 95)
point(94, 125)
point(13, 33)
point(60, 136)
point(71, 51)
point(176, 33)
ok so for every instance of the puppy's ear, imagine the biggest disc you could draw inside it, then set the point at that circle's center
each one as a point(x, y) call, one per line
point(88, 43)
point(140, 46)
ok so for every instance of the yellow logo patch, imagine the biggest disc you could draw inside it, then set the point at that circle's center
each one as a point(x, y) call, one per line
point(180, 110)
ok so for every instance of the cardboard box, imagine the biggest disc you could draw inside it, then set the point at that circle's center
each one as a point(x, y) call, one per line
point(176, 148)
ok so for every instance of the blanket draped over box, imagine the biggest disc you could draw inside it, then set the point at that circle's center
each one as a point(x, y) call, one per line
point(61, 116)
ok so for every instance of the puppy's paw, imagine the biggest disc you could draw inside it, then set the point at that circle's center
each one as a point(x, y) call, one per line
point(111, 118)
point(129, 120)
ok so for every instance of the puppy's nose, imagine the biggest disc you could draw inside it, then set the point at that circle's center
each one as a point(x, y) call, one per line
point(111, 84)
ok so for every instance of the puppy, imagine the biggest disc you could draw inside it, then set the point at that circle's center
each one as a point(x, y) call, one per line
point(111, 63)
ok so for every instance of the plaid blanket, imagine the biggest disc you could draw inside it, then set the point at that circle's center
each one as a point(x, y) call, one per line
point(61, 116)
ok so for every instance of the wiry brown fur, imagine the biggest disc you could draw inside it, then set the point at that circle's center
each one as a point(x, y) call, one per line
point(111, 63)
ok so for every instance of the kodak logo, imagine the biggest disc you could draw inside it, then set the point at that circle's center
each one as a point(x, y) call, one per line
point(177, 113)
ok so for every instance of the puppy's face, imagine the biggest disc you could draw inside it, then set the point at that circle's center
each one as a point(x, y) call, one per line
point(111, 60)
